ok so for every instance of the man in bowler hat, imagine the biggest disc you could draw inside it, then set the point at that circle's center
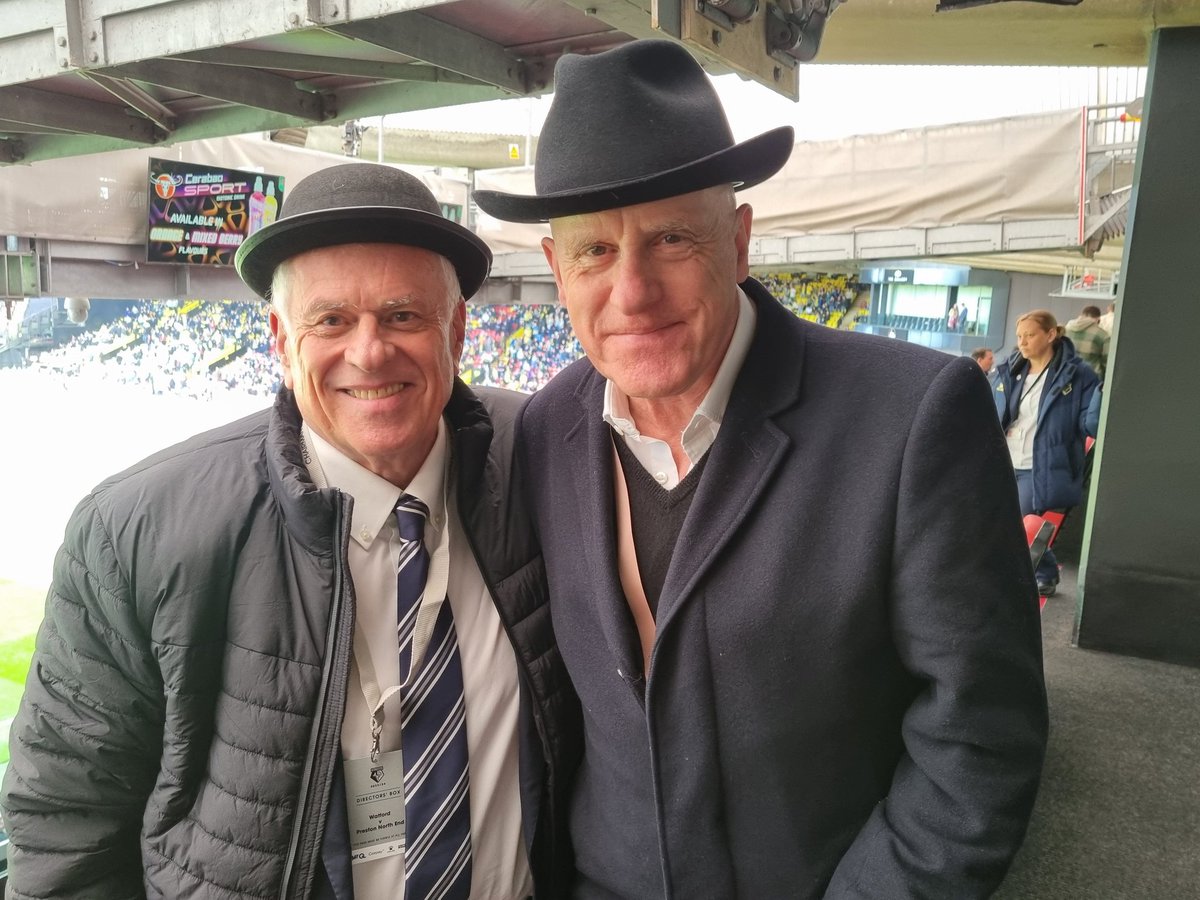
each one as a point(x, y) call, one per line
point(786, 566)
point(245, 630)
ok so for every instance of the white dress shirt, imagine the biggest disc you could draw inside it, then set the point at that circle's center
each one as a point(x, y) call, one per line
point(499, 861)
point(701, 431)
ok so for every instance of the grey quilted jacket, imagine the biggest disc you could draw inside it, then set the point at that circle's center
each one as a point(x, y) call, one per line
point(181, 718)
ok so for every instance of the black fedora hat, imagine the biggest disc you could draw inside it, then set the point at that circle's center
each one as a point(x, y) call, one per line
point(638, 123)
point(361, 203)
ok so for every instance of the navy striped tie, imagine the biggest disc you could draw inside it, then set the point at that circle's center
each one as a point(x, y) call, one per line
point(433, 732)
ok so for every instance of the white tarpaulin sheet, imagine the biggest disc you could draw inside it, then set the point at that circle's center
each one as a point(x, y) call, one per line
point(1003, 170)
point(1016, 169)
point(505, 237)
point(1023, 168)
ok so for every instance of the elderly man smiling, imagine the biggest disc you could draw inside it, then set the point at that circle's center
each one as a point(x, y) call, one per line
point(786, 566)
point(308, 654)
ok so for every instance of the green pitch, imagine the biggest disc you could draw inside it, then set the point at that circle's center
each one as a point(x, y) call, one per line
point(22, 607)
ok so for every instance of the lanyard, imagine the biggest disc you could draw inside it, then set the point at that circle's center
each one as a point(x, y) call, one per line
point(436, 584)
point(369, 684)
point(1032, 385)
point(431, 604)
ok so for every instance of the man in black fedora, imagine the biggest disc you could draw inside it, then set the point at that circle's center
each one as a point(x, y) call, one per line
point(786, 566)
point(308, 654)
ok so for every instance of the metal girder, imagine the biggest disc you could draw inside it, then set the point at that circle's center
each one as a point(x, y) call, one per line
point(629, 16)
point(323, 66)
point(397, 97)
point(248, 87)
point(10, 127)
point(421, 37)
point(660, 19)
point(11, 151)
point(56, 146)
point(134, 97)
point(353, 103)
point(65, 113)
point(302, 13)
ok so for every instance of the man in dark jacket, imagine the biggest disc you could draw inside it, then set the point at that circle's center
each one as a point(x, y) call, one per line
point(216, 701)
point(786, 564)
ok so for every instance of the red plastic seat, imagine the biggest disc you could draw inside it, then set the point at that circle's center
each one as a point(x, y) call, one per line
point(1040, 532)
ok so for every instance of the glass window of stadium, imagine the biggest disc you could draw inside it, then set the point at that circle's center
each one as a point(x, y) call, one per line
point(952, 308)
point(962, 309)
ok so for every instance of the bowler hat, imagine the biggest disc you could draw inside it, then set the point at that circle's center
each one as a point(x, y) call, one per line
point(638, 123)
point(361, 203)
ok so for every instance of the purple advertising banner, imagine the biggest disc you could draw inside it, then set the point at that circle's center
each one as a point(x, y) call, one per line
point(201, 214)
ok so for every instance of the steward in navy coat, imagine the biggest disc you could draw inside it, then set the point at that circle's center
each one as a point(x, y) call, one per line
point(845, 696)
point(1066, 415)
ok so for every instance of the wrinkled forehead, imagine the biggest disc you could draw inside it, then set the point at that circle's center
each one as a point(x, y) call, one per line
point(354, 268)
point(699, 210)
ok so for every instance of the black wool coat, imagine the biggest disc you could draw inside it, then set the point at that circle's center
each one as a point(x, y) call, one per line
point(845, 696)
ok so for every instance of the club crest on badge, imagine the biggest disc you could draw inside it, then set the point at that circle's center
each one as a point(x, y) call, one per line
point(377, 774)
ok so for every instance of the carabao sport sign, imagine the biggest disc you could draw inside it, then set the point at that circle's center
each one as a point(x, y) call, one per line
point(201, 214)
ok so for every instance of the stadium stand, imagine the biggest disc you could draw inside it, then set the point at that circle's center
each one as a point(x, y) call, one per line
point(519, 347)
point(202, 349)
point(824, 299)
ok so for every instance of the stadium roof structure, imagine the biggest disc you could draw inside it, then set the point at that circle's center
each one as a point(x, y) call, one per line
point(1009, 197)
point(84, 77)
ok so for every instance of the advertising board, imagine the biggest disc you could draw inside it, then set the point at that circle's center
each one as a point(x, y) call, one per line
point(201, 214)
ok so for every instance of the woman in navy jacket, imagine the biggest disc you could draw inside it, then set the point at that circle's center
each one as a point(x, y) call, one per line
point(1043, 394)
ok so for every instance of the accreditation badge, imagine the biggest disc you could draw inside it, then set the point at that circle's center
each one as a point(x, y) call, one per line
point(375, 806)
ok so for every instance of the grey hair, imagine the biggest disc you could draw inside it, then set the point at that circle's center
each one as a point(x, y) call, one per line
point(281, 286)
point(281, 283)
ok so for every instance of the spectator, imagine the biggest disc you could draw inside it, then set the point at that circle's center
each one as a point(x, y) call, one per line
point(803, 677)
point(207, 713)
point(986, 360)
point(1043, 394)
point(1090, 339)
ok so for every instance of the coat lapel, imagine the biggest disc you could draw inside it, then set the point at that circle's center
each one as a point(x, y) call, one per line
point(590, 442)
point(748, 450)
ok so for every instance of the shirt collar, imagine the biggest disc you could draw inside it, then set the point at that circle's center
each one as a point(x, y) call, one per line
point(711, 410)
point(375, 497)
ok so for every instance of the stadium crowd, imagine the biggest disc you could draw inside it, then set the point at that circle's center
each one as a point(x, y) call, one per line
point(824, 299)
point(189, 348)
point(520, 347)
point(202, 349)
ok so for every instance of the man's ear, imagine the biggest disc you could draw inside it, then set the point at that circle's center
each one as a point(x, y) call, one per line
point(458, 325)
point(279, 333)
point(552, 259)
point(745, 219)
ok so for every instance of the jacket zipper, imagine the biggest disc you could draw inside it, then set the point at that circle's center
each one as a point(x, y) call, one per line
point(319, 755)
